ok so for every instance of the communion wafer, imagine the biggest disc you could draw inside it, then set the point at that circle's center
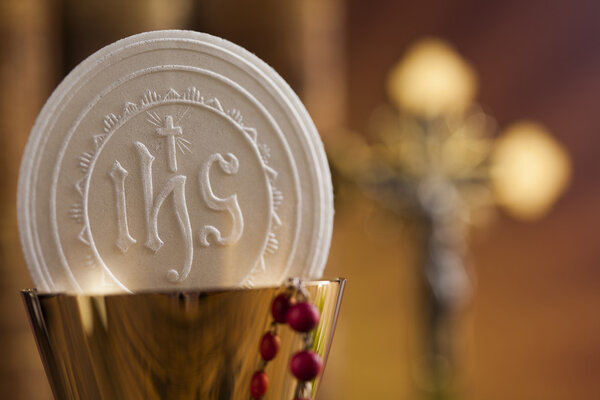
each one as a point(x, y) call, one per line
point(173, 160)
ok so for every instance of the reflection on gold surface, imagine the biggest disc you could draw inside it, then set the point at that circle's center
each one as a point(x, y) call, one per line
point(432, 79)
point(530, 170)
point(180, 345)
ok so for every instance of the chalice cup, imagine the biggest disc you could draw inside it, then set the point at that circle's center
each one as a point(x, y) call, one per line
point(172, 345)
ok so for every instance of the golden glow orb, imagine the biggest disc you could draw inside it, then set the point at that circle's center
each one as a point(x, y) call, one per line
point(530, 170)
point(432, 79)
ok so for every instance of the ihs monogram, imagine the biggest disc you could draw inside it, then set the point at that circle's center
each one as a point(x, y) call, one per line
point(170, 131)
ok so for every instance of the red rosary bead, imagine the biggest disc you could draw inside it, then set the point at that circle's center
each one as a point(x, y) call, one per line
point(303, 317)
point(269, 346)
point(280, 307)
point(306, 365)
point(259, 384)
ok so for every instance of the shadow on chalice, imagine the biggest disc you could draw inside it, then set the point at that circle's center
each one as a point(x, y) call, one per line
point(171, 186)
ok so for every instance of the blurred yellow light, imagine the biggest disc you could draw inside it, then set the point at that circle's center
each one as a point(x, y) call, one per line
point(530, 170)
point(432, 79)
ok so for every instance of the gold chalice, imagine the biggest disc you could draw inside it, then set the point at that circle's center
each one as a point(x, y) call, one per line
point(171, 345)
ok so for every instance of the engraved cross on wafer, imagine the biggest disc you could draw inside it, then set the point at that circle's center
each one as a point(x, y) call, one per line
point(170, 132)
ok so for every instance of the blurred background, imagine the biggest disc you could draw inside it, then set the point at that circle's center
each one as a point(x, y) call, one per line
point(463, 139)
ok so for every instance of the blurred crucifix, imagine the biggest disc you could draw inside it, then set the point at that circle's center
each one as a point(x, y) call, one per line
point(437, 163)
